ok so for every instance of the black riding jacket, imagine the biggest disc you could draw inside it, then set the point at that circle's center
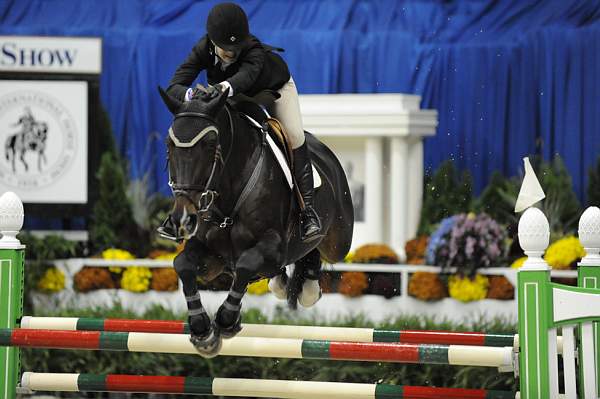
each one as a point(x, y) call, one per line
point(257, 68)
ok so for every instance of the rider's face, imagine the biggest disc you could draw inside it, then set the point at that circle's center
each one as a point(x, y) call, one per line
point(225, 55)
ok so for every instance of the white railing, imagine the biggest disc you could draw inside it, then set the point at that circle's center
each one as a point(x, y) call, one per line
point(73, 265)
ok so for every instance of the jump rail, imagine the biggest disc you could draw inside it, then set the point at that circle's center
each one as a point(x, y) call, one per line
point(544, 307)
point(244, 387)
point(344, 334)
point(460, 355)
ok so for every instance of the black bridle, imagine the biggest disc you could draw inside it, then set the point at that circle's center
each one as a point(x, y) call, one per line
point(207, 196)
point(205, 208)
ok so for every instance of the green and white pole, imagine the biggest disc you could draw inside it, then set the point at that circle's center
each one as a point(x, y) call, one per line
point(12, 256)
point(536, 359)
point(589, 273)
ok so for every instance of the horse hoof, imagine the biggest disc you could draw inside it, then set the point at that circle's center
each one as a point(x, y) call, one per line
point(278, 287)
point(230, 331)
point(208, 347)
point(311, 293)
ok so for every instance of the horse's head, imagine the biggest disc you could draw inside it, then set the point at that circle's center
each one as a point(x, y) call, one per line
point(194, 159)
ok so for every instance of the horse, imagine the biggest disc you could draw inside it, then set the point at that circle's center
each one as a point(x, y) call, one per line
point(31, 138)
point(238, 215)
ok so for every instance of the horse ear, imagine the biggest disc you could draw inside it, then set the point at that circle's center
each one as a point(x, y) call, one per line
point(220, 101)
point(172, 103)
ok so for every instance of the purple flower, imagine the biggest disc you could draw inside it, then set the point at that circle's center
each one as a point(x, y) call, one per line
point(467, 242)
point(470, 246)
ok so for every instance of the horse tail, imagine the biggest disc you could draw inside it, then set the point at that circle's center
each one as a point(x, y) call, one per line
point(294, 286)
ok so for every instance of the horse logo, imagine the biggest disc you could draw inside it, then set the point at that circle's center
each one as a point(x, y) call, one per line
point(31, 137)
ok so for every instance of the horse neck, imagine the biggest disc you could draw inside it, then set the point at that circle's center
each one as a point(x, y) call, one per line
point(240, 146)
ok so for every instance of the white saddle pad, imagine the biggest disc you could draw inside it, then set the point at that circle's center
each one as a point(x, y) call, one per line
point(285, 168)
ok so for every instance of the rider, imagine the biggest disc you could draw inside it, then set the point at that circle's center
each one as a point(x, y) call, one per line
point(236, 60)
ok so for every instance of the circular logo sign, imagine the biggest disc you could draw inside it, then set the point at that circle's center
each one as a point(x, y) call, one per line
point(38, 137)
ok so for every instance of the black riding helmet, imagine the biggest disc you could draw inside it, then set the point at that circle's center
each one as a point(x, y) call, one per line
point(227, 26)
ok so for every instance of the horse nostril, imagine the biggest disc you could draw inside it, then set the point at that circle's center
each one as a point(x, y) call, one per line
point(190, 223)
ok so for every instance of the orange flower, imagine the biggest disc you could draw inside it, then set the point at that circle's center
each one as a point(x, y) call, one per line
point(500, 288)
point(415, 250)
point(426, 286)
point(93, 278)
point(375, 253)
point(353, 283)
point(164, 279)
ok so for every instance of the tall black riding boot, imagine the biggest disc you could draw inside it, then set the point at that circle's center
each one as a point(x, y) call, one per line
point(310, 224)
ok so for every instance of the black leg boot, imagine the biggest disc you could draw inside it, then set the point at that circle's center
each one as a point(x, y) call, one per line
point(310, 224)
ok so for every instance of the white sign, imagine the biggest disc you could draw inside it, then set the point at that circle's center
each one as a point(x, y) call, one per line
point(43, 132)
point(51, 54)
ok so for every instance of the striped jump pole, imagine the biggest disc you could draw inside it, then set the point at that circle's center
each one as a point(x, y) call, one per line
point(460, 355)
point(12, 255)
point(244, 387)
point(346, 334)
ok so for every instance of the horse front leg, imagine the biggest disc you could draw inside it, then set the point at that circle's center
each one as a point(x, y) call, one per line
point(203, 336)
point(22, 158)
point(13, 159)
point(249, 265)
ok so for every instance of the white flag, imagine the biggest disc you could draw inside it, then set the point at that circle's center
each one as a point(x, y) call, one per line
point(531, 190)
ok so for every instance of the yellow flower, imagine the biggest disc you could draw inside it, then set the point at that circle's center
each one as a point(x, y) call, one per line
point(169, 256)
point(116, 254)
point(53, 280)
point(519, 262)
point(349, 257)
point(562, 253)
point(259, 287)
point(136, 279)
point(464, 289)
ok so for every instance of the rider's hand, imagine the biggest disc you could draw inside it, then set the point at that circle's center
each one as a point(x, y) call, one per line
point(216, 90)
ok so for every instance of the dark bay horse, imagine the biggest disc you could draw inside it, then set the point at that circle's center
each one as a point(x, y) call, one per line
point(239, 216)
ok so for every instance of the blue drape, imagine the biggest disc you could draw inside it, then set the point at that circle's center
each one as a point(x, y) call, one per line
point(508, 78)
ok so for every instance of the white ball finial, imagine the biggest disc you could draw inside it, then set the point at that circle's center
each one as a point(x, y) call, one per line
point(534, 237)
point(589, 235)
point(11, 219)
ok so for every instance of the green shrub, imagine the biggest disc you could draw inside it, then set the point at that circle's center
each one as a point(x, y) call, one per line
point(593, 188)
point(112, 223)
point(561, 205)
point(39, 253)
point(447, 192)
point(498, 199)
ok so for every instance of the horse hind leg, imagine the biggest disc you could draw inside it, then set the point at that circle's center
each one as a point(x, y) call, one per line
point(41, 160)
point(278, 285)
point(203, 336)
point(305, 280)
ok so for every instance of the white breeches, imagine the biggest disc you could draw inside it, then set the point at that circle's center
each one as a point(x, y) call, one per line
point(287, 110)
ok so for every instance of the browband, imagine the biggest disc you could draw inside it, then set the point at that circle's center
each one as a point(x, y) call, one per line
point(196, 138)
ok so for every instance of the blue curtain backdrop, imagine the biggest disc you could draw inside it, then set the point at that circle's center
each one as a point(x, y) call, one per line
point(508, 78)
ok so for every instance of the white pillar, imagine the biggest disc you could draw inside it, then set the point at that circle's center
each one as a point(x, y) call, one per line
point(373, 193)
point(414, 186)
point(399, 177)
